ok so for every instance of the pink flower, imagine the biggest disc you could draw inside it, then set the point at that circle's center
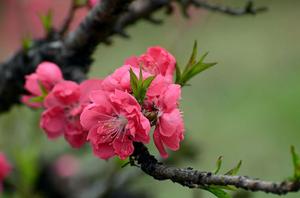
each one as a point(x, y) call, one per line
point(155, 61)
point(120, 79)
point(66, 166)
point(92, 3)
point(64, 105)
point(45, 77)
point(162, 98)
point(114, 121)
point(5, 169)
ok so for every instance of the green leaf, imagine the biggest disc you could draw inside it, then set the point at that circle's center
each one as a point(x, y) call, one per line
point(147, 82)
point(178, 75)
point(296, 163)
point(37, 99)
point(235, 170)
point(143, 90)
point(139, 86)
point(192, 59)
point(26, 43)
point(219, 164)
point(217, 192)
point(192, 68)
point(140, 81)
point(47, 21)
point(133, 83)
point(43, 89)
point(80, 3)
point(196, 69)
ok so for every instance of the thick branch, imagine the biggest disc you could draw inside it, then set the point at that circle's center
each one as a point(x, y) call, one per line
point(196, 179)
point(73, 55)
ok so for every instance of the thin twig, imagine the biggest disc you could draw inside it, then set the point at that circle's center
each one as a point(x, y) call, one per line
point(68, 19)
point(248, 9)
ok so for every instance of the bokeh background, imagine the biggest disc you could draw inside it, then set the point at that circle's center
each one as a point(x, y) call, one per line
point(245, 108)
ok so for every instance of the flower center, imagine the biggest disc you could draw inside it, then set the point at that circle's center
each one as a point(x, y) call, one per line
point(114, 127)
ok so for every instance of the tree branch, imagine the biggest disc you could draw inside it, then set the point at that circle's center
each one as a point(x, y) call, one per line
point(199, 179)
point(248, 9)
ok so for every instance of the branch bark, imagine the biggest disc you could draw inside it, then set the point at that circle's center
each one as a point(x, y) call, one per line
point(191, 178)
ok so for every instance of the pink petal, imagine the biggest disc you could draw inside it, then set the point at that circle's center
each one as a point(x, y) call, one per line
point(104, 151)
point(168, 123)
point(132, 61)
point(123, 147)
point(143, 130)
point(51, 101)
point(53, 122)
point(5, 167)
point(75, 135)
point(49, 74)
point(27, 100)
point(171, 142)
point(158, 143)
point(67, 92)
point(171, 97)
point(92, 115)
point(86, 87)
point(32, 84)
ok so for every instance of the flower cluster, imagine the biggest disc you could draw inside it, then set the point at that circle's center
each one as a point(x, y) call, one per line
point(5, 169)
point(62, 100)
point(114, 112)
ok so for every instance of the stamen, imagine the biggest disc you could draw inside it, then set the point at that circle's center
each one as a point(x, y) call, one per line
point(113, 127)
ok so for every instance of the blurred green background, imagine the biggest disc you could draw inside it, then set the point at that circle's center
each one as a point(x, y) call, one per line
point(246, 108)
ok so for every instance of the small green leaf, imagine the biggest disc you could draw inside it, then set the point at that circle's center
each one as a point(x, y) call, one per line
point(192, 59)
point(139, 86)
point(43, 89)
point(219, 164)
point(203, 57)
point(37, 99)
point(147, 82)
point(133, 83)
point(178, 75)
point(235, 170)
point(193, 67)
point(47, 21)
point(296, 163)
point(26, 43)
point(198, 68)
point(143, 89)
point(217, 192)
point(80, 3)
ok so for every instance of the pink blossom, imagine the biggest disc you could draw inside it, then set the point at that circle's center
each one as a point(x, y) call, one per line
point(114, 121)
point(162, 98)
point(64, 105)
point(156, 60)
point(120, 79)
point(92, 3)
point(66, 166)
point(5, 169)
point(45, 77)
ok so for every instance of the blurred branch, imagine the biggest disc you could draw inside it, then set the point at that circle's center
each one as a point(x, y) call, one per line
point(73, 53)
point(198, 179)
point(248, 9)
point(68, 19)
